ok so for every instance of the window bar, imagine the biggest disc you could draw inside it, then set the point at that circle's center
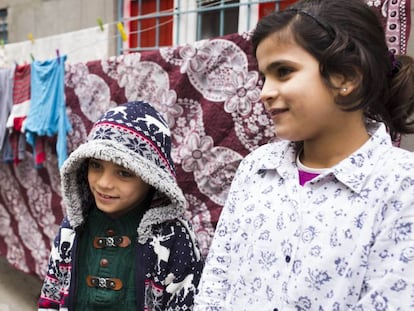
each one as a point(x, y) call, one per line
point(120, 18)
point(177, 16)
point(139, 23)
point(199, 21)
point(249, 13)
point(222, 3)
point(277, 6)
point(157, 22)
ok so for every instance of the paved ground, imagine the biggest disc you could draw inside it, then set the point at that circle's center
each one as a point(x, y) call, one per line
point(18, 291)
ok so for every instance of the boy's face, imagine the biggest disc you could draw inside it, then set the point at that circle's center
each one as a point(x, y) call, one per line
point(116, 190)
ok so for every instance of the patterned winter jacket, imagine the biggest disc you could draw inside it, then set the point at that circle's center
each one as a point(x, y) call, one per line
point(160, 258)
point(168, 262)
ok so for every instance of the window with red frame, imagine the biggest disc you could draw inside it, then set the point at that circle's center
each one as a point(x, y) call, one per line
point(150, 31)
point(151, 24)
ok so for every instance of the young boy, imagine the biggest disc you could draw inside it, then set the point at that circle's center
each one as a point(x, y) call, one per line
point(123, 244)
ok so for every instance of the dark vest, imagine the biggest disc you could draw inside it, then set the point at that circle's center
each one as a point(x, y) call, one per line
point(106, 262)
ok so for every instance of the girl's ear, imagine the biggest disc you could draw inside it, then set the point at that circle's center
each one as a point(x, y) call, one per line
point(345, 85)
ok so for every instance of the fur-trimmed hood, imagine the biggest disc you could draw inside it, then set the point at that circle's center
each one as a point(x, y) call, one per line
point(135, 136)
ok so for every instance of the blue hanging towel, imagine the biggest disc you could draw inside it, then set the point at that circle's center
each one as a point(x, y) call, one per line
point(47, 115)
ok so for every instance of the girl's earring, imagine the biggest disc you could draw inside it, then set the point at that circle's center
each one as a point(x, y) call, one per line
point(344, 90)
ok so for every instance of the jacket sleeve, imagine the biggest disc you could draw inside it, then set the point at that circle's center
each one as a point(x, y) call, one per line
point(390, 261)
point(183, 270)
point(56, 282)
point(221, 258)
point(213, 286)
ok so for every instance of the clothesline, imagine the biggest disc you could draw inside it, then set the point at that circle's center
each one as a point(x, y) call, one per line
point(34, 110)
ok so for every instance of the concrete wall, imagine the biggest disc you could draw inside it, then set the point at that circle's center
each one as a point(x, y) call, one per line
point(45, 18)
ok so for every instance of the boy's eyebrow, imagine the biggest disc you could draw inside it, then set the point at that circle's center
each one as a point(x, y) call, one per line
point(121, 167)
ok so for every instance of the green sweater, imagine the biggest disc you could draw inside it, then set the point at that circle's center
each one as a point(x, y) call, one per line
point(104, 261)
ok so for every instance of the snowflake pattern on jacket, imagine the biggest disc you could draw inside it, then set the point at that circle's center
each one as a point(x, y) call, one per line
point(343, 241)
point(169, 266)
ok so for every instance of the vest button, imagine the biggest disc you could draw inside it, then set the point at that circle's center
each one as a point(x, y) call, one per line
point(104, 262)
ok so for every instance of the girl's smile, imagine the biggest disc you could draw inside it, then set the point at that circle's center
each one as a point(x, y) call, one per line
point(274, 112)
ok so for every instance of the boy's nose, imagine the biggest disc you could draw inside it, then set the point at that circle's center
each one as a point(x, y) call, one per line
point(105, 180)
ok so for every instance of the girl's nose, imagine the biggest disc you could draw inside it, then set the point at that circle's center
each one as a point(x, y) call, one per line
point(269, 93)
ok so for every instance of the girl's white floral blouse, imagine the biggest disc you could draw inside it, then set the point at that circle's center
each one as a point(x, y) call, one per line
point(343, 241)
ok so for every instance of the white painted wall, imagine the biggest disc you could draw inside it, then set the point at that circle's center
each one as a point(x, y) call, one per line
point(79, 46)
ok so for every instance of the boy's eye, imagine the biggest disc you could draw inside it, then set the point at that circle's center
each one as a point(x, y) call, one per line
point(126, 174)
point(94, 164)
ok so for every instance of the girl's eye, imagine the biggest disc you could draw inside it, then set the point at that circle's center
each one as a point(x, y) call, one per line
point(282, 72)
point(262, 77)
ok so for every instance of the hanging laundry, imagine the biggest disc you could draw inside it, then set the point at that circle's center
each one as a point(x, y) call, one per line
point(21, 104)
point(6, 100)
point(47, 115)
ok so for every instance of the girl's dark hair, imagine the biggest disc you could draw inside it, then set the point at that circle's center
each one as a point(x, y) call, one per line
point(348, 38)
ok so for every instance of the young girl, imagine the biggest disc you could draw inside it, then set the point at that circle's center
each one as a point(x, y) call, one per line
point(124, 244)
point(324, 218)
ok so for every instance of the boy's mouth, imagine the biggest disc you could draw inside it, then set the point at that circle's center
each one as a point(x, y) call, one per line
point(104, 196)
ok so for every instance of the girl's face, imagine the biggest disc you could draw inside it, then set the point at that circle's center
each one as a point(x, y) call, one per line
point(299, 102)
point(116, 190)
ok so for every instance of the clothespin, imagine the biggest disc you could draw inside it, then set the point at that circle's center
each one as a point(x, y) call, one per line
point(2, 43)
point(32, 57)
point(30, 37)
point(58, 56)
point(122, 31)
point(100, 23)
